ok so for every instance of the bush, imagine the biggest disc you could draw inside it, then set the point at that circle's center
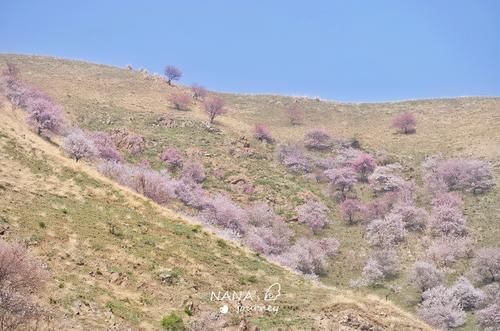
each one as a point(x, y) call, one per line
point(194, 171)
point(199, 92)
point(441, 309)
point(131, 142)
point(342, 180)
point(458, 175)
point(21, 279)
point(469, 297)
point(386, 232)
point(383, 179)
point(364, 165)
point(292, 157)
point(486, 264)
point(414, 218)
point(180, 100)
point(488, 318)
point(270, 239)
point(406, 123)
point(79, 146)
point(172, 158)
point(318, 139)
point(262, 133)
point(172, 322)
point(425, 276)
point(330, 246)
point(45, 117)
point(314, 214)
point(106, 149)
point(447, 250)
point(380, 207)
point(306, 256)
point(447, 221)
point(191, 193)
point(223, 212)
point(352, 210)
point(381, 265)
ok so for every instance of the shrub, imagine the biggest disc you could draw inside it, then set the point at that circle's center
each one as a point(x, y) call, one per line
point(386, 232)
point(21, 279)
point(295, 115)
point(270, 239)
point(292, 157)
point(260, 214)
point(447, 250)
point(380, 265)
point(306, 256)
point(262, 133)
point(330, 246)
point(448, 199)
point(105, 146)
point(194, 171)
point(469, 297)
point(191, 193)
point(441, 309)
point(364, 165)
point(131, 142)
point(199, 92)
point(223, 212)
point(341, 180)
point(314, 214)
point(318, 139)
point(488, 318)
point(180, 100)
point(79, 146)
point(150, 183)
point(172, 158)
point(414, 218)
point(380, 207)
point(486, 264)
point(172, 322)
point(458, 175)
point(352, 210)
point(383, 179)
point(45, 117)
point(214, 107)
point(425, 276)
point(447, 221)
point(172, 73)
point(405, 123)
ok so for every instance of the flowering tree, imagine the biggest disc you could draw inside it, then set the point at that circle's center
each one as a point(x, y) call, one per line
point(172, 73)
point(214, 107)
point(414, 218)
point(364, 165)
point(330, 246)
point(425, 276)
point(466, 175)
point(441, 309)
point(306, 256)
point(447, 221)
point(314, 214)
point(386, 232)
point(380, 265)
point(468, 296)
point(172, 158)
point(105, 146)
point(486, 264)
point(269, 239)
point(180, 100)
point(488, 318)
point(293, 158)
point(199, 92)
point(79, 146)
point(317, 139)
point(223, 212)
point(352, 210)
point(21, 279)
point(45, 117)
point(262, 133)
point(341, 180)
point(405, 123)
point(384, 179)
point(445, 251)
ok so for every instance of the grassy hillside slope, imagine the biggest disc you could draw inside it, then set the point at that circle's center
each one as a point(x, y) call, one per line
point(118, 261)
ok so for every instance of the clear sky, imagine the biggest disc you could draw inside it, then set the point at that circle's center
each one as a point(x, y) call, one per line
point(349, 50)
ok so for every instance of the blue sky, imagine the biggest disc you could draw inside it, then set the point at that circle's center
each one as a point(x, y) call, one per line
point(347, 50)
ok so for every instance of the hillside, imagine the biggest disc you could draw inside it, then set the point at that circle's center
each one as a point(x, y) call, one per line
point(106, 246)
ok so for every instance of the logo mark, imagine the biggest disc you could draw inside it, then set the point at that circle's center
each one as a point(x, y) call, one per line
point(224, 309)
point(273, 292)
